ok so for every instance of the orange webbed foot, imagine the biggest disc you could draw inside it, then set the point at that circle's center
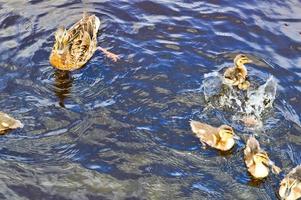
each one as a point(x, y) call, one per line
point(109, 54)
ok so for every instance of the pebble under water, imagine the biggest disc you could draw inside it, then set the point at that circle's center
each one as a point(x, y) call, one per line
point(121, 130)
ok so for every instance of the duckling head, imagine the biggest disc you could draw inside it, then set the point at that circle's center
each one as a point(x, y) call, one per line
point(262, 159)
point(226, 133)
point(61, 40)
point(241, 59)
point(288, 189)
point(261, 163)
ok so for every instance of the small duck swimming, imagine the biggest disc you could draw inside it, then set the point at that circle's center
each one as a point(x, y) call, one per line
point(221, 138)
point(290, 186)
point(237, 75)
point(75, 46)
point(7, 123)
point(257, 160)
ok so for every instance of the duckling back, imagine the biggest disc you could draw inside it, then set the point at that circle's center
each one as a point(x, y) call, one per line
point(252, 146)
point(206, 133)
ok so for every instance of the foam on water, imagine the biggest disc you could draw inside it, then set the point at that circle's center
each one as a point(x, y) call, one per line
point(251, 103)
point(261, 98)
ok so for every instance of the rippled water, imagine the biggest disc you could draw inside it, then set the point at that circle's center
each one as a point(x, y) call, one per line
point(120, 130)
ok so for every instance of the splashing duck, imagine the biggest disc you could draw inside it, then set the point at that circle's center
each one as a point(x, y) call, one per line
point(257, 160)
point(221, 138)
point(75, 46)
point(290, 186)
point(7, 123)
point(237, 75)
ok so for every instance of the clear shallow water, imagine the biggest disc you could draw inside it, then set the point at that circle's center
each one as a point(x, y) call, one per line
point(120, 130)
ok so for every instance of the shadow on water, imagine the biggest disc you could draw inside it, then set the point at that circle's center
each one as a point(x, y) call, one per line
point(62, 85)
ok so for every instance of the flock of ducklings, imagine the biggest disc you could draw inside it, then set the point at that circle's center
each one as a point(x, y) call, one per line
point(75, 46)
point(256, 159)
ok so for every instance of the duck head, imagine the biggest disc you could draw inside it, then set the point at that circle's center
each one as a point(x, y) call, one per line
point(61, 40)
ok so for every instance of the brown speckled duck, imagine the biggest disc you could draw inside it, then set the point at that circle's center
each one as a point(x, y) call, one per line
point(257, 160)
point(75, 46)
point(221, 138)
point(7, 123)
point(290, 186)
point(237, 75)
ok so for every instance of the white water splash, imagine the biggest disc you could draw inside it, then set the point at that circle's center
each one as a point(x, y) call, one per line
point(261, 98)
point(251, 103)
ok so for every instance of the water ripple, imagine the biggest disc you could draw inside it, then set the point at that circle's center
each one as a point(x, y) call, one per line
point(120, 130)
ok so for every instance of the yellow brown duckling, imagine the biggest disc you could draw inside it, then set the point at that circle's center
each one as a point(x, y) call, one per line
point(7, 123)
point(290, 186)
point(237, 75)
point(221, 138)
point(75, 46)
point(257, 160)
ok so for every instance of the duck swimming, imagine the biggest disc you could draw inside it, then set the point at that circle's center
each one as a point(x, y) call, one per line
point(257, 160)
point(221, 138)
point(7, 123)
point(237, 75)
point(290, 186)
point(75, 46)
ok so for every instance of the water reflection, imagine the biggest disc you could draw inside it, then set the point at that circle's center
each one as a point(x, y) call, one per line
point(62, 85)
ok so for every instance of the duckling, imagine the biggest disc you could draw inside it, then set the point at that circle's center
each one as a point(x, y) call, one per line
point(290, 186)
point(221, 138)
point(75, 46)
point(237, 75)
point(257, 160)
point(7, 123)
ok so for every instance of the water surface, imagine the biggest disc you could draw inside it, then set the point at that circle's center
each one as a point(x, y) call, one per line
point(121, 130)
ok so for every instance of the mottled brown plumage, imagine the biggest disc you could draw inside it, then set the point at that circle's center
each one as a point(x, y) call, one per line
point(75, 46)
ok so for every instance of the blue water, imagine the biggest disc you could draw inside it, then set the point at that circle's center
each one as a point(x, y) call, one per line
point(121, 130)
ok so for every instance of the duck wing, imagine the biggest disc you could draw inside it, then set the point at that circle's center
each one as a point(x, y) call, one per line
point(80, 48)
point(89, 24)
point(82, 38)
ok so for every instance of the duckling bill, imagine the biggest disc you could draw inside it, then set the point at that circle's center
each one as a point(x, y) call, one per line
point(221, 138)
point(75, 46)
point(290, 186)
point(257, 160)
point(7, 122)
point(237, 75)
